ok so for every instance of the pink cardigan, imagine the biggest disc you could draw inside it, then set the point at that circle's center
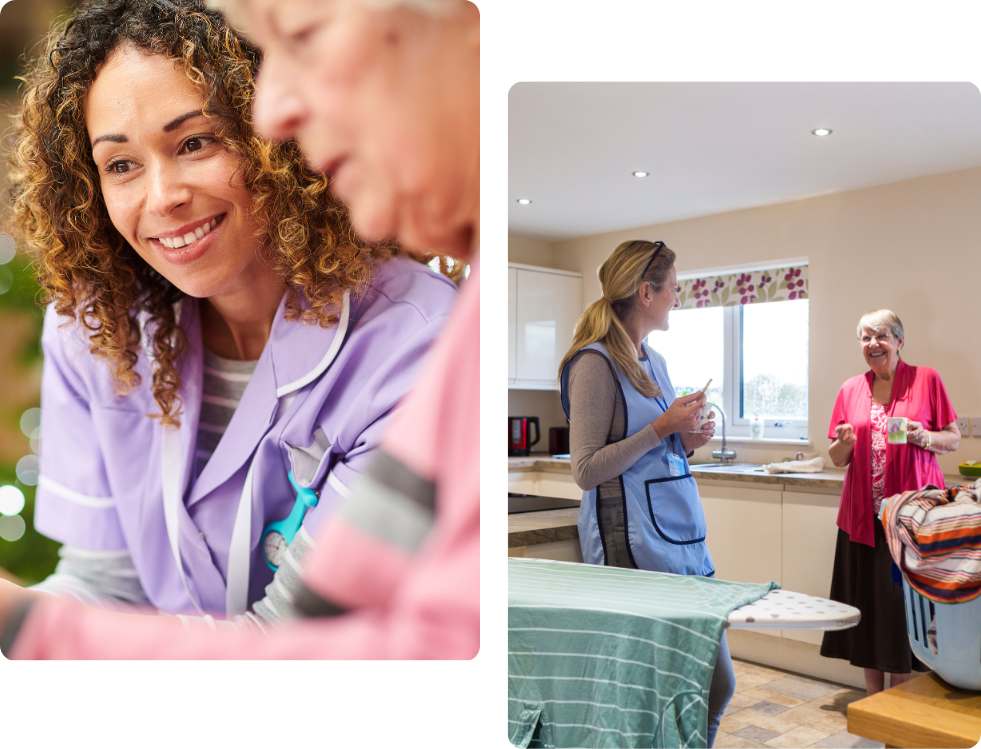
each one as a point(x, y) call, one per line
point(917, 394)
point(420, 606)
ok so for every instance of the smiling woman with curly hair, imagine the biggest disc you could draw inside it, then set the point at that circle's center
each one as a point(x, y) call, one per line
point(203, 276)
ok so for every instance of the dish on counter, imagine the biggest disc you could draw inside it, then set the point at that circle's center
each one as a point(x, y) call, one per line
point(971, 468)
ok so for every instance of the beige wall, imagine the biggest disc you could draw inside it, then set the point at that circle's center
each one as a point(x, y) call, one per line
point(530, 251)
point(912, 246)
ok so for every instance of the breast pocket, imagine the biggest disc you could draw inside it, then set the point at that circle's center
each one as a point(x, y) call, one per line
point(675, 509)
point(310, 463)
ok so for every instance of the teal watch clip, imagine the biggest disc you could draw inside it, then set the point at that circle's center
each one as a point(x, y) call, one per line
point(278, 535)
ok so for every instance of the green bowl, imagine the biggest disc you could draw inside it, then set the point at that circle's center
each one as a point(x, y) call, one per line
point(967, 470)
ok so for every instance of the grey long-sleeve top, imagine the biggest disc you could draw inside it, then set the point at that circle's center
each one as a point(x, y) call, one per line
point(596, 426)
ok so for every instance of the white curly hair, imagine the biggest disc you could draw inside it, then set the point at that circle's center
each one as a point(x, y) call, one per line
point(881, 319)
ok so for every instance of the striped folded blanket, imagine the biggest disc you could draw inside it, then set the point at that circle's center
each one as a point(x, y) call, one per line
point(935, 538)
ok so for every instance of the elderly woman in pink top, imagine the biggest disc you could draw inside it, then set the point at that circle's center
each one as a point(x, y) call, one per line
point(877, 468)
point(384, 95)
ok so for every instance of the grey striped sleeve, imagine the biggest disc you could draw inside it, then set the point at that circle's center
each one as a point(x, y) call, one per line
point(99, 579)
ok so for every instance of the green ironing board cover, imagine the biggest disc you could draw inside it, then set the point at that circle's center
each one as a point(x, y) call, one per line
point(611, 657)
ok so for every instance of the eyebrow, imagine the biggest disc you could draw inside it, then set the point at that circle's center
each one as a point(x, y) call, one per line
point(168, 128)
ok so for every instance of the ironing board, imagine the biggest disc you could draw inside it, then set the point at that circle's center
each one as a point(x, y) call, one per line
point(784, 609)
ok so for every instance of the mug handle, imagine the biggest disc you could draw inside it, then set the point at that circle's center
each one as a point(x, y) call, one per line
point(538, 431)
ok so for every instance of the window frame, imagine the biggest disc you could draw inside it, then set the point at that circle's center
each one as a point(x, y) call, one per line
point(789, 430)
point(732, 387)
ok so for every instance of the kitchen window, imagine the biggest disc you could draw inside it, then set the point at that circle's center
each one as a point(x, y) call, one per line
point(748, 329)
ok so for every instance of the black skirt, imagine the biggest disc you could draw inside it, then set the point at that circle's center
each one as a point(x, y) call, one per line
point(862, 578)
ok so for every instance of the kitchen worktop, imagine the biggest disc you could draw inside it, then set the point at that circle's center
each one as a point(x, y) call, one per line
point(531, 528)
point(830, 479)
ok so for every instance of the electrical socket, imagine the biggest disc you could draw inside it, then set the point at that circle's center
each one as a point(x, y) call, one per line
point(964, 424)
point(976, 426)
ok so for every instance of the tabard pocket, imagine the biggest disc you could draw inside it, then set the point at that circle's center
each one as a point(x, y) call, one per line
point(675, 509)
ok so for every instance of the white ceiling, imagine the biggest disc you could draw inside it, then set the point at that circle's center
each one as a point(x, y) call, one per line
point(716, 147)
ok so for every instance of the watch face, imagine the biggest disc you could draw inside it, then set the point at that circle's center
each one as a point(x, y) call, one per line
point(274, 548)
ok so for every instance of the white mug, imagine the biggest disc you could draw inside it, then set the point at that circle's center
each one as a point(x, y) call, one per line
point(896, 429)
point(703, 417)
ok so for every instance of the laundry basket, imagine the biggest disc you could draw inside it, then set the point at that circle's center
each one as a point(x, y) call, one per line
point(946, 637)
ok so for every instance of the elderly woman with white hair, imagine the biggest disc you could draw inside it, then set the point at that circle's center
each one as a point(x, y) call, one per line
point(384, 95)
point(878, 468)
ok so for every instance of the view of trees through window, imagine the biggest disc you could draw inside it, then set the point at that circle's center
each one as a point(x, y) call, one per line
point(774, 360)
point(770, 351)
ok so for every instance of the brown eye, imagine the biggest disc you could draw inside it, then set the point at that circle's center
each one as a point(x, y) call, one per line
point(192, 145)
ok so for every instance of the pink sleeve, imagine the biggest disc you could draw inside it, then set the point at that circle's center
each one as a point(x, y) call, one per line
point(942, 409)
point(425, 620)
point(838, 415)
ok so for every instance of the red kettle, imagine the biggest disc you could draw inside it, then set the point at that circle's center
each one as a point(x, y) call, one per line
point(519, 435)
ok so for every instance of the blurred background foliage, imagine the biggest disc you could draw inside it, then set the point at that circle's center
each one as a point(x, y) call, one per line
point(31, 557)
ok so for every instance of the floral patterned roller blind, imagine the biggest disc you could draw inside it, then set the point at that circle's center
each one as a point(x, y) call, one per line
point(777, 285)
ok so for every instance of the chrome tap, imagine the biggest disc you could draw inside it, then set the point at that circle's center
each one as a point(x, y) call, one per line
point(723, 455)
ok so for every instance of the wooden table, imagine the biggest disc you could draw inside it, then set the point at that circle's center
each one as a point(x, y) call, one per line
point(923, 712)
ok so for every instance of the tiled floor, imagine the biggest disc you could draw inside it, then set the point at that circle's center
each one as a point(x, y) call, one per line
point(775, 709)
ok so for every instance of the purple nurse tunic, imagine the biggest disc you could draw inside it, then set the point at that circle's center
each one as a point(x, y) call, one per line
point(317, 404)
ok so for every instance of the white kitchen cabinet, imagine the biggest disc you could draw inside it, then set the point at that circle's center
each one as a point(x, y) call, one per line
point(546, 307)
point(809, 534)
point(512, 323)
point(744, 530)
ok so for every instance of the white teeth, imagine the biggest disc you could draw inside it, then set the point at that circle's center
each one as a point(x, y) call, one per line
point(175, 243)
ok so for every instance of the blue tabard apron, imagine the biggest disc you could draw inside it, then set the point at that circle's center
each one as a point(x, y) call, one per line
point(663, 514)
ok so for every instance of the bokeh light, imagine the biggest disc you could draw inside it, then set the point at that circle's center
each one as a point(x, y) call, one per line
point(8, 248)
point(30, 421)
point(28, 469)
point(11, 500)
point(12, 527)
point(6, 279)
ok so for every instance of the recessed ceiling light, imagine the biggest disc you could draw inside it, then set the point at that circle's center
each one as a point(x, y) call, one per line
point(524, 201)
point(641, 174)
point(821, 131)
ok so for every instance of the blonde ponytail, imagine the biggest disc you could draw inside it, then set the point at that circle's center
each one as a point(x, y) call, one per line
point(632, 263)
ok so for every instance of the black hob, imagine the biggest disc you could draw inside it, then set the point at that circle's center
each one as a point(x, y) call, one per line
point(533, 503)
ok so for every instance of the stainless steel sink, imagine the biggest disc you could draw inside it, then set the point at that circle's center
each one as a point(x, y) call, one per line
point(730, 467)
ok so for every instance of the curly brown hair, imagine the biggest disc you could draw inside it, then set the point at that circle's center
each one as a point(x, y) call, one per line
point(84, 265)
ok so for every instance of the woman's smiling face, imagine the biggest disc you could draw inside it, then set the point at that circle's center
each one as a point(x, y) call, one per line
point(881, 350)
point(170, 187)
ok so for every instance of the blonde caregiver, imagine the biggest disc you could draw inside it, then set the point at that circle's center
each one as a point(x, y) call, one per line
point(630, 437)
